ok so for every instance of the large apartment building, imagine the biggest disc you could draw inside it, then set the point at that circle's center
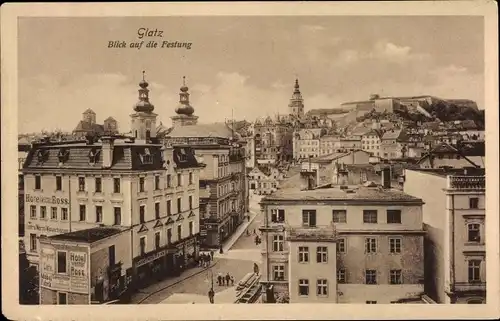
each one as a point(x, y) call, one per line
point(454, 217)
point(224, 197)
point(349, 244)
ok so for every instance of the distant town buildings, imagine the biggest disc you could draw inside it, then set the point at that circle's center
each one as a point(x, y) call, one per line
point(88, 126)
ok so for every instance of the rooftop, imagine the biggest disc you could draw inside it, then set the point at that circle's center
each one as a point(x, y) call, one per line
point(220, 130)
point(444, 172)
point(362, 193)
point(90, 235)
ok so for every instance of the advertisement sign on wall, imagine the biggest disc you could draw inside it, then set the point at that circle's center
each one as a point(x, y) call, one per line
point(78, 271)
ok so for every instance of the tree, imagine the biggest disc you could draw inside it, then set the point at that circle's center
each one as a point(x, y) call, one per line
point(28, 282)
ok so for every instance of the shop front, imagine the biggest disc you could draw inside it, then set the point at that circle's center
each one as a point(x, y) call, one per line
point(150, 268)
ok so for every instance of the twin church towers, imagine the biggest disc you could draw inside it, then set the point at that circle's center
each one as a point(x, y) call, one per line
point(143, 121)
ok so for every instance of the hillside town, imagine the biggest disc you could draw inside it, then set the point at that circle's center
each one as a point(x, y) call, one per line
point(376, 201)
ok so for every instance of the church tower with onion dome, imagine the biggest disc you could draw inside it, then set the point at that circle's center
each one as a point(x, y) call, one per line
point(296, 105)
point(184, 110)
point(143, 121)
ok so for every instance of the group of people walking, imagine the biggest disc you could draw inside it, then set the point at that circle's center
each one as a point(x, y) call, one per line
point(224, 280)
point(205, 259)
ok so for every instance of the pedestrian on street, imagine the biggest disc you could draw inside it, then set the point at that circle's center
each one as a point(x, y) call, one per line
point(228, 278)
point(256, 240)
point(212, 255)
point(221, 251)
point(232, 280)
point(219, 279)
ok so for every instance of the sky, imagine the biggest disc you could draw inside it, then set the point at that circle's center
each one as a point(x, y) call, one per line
point(241, 66)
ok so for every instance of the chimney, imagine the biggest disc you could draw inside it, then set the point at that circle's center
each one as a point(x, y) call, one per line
point(108, 145)
point(386, 177)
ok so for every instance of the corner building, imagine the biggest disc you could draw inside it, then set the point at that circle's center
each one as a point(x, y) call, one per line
point(133, 184)
point(363, 244)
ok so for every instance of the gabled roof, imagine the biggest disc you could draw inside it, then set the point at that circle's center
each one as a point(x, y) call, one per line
point(393, 134)
point(373, 132)
point(109, 119)
point(445, 148)
point(89, 111)
point(84, 126)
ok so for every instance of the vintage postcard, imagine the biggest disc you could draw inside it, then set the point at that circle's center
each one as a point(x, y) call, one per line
point(234, 161)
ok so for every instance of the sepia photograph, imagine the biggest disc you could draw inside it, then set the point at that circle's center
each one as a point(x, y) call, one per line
point(274, 159)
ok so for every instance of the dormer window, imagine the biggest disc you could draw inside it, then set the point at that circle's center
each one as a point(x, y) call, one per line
point(182, 155)
point(94, 156)
point(146, 158)
point(42, 156)
point(63, 155)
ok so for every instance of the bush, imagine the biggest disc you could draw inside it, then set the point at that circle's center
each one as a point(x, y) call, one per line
point(283, 298)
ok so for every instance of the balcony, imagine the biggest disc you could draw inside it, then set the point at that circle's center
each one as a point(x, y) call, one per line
point(324, 233)
point(466, 182)
point(469, 286)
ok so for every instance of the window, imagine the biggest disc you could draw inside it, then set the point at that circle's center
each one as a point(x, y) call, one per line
point(395, 277)
point(474, 267)
point(118, 215)
point(98, 214)
point(191, 226)
point(157, 210)
point(370, 216)
point(61, 262)
point(341, 245)
point(278, 243)
point(157, 182)
point(370, 245)
point(83, 212)
point(53, 213)
point(116, 185)
point(32, 211)
point(33, 242)
point(169, 236)
point(473, 202)
point(303, 254)
point(371, 302)
point(179, 204)
point(322, 287)
point(474, 234)
point(157, 240)
point(321, 254)
point(303, 287)
point(169, 207)
point(341, 276)
point(141, 185)
point(64, 214)
point(190, 178)
point(43, 212)
point(38, 182)
point(81, 184)
point(98, 185)
point(58, 183)
point(395, 244)
point(339, 216)
point(278, 272)
point(142, 213)
point(370, 277)
point(142, 245)
point(169, 180)
point(309, 218)
point(62, 298)
point(179, 232)
point(394, 216)
point(277, 216)
point(179, 179)
point(190, 202)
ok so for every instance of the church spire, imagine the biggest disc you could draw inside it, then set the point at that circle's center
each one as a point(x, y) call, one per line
point(184, 107)
point(143, 105)
point(296, 105)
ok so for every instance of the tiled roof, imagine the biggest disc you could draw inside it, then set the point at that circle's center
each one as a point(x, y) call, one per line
point(392, 134)
point(374, 132)
point(90, 235)
point(220, 130)
point(84, 126)
point(365, 194)
point(126, 156)
point(184, 157)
